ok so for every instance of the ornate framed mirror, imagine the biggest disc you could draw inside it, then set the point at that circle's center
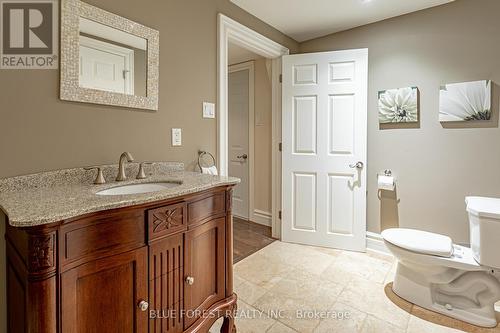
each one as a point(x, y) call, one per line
point(107, 59)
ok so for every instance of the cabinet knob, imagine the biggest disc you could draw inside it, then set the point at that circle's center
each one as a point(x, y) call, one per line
point(143, 305)
point(190, 280)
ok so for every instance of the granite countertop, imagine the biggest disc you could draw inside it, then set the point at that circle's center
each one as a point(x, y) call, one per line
point(54, 196)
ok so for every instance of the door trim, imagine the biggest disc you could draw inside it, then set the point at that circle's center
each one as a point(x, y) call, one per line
point(230, 30)
point(250, 67)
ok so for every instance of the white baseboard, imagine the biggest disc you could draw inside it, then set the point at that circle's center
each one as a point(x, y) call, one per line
point(374, 242)
point(261, 217)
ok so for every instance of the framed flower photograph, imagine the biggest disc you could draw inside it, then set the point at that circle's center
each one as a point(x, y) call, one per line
point(465, 101)
point(398, 105)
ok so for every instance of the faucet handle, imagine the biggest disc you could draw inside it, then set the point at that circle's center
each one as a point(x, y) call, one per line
point(100, 177)
point(141, 174)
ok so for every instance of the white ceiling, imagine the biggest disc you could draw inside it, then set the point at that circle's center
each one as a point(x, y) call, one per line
point(307, 19)
point(236, 54)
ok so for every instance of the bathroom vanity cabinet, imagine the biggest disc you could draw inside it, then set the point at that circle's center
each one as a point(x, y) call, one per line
point(158, 267)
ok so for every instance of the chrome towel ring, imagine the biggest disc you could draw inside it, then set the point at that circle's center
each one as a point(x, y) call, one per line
point(202, 153)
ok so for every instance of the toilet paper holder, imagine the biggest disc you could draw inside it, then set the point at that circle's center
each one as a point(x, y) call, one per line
point(386, 175)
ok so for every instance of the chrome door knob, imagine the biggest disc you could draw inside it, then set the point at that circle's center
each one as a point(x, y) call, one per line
point(190, 280)
point(358, 165)
point(143, 305)
point(244, 156)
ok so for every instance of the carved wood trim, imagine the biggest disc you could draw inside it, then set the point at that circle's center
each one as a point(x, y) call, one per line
point(167, 219)
point(229, 200)
point(41, 254)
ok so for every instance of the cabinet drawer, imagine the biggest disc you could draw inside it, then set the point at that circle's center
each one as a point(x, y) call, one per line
point(94, 237)
point(166, 220)
point(204, 208)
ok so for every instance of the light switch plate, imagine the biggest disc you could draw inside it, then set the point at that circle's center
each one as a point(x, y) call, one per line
point(208, 110)
point(176, 137)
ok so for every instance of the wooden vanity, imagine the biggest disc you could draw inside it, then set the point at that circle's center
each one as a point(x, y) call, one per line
point(164, 266)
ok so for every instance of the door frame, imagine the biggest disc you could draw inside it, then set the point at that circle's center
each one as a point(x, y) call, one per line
point(234, 32)
point(249, 65)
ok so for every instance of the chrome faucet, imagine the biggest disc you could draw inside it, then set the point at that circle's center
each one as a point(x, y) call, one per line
point(121, 166)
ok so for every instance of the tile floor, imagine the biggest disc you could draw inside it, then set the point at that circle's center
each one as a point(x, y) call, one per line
point(249, 238)
point(281, 279)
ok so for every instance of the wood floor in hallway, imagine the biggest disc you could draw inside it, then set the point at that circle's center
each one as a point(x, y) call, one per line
point(249, 237)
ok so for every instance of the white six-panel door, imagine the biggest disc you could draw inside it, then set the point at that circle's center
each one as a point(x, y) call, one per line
point(324, 132)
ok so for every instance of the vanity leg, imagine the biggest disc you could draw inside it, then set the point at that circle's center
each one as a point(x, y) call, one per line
point(228, 325)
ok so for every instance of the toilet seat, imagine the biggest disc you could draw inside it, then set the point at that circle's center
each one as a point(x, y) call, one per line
point(420, 241)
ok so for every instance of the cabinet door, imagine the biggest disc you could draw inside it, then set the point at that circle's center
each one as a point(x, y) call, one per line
point(204, 269)
point(166, 284)
point(104, 295)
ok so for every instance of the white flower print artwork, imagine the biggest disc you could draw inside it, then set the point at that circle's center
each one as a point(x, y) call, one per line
point(465, 101)
point(398, 105)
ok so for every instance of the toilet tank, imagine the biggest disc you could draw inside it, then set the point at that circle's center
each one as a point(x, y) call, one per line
point(484, 221)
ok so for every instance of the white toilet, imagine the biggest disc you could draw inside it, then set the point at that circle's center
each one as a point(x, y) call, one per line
point(454, 280)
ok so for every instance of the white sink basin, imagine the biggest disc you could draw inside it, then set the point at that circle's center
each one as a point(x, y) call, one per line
point(138, 188)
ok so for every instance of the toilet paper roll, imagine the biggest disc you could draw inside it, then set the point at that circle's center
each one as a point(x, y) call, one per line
point(386, 183)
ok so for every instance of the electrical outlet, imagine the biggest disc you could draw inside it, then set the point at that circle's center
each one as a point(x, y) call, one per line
point(208, 110)
point(176, 137)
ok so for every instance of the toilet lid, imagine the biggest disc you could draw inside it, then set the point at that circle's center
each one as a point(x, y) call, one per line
point(420, 241)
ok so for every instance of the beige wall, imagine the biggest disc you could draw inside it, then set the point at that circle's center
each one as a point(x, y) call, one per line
point(436, 167)
point(262, 134)
point(3, 280)
point(40, 132)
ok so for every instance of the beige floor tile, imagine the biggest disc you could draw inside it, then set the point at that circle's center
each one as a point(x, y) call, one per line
point(283, 278)
point(300, 283)
point(249, 292)
point(237, 280)
point(261, 270)
point(280, 328)
point(390, 275)
point(350, 264)
point(326, 250)
point(417, 325)
point(381, 256)
point(347, 320)
point(315, 262)
point(251, 320)
point(375, 325)
point(370, 298)
point(290, 311)
point(301, 256)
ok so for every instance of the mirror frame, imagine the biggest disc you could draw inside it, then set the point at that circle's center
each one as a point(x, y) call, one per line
point(70, 90)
